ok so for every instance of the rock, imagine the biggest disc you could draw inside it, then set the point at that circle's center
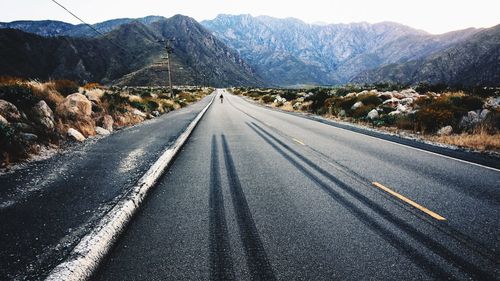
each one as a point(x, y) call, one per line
point(357, 105)
point(401, 108)
point(75, 105)
point(155, 113)
point(469, 121)
point(28, 137)
point(3, 120)
point(342, 113)
point(350, 95)
point(385, 95)
point(445, 131)
point(484, 113)
point(107, 123)
point(23, 127)
point(94, 95)
point(394, 113)
point(393, 102)
point(492, 103)
point(101, 131)
point(9, 111)
point(43, 115)
point(138, 113)
point(373, 114)
point(407, 101)
point(75, 135)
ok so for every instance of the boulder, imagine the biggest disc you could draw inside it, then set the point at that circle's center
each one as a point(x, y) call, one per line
point(350, 95)
point(406, 101)
point(342, 113)
point(138, 113)
point(484, 113)
point(469, 121)
point(373, 114)
point(107, 123)
point(393, 102)
point(492, 103)
point(3, 120)
point(43, 115)
point(94, 95)
point(23, 127)
point(75, 135)
point(445, 131)
point(75, 105)
point(394, 113)
point(357, 105)
point(385, 95)
point(28, 137)
point(401, 108)
point(155, 113)
point(101, 131)
point(9, 111)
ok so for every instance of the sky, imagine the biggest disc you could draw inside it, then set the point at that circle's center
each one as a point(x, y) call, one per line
point(434, 16)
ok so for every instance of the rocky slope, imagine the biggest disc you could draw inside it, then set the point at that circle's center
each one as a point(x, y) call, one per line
point(290, 52)
point(472, 62)
point(129, 54)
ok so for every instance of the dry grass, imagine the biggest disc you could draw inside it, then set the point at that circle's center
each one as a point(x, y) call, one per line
point(480, 141)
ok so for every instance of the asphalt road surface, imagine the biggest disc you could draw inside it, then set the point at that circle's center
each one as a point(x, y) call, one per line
point(47, 206)
point(257, 194)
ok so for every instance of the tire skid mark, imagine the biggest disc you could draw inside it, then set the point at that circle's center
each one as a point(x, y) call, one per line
point(471, 243)
point(384, 233)
point(257, 260)
point(425, 240)
point(221, 264)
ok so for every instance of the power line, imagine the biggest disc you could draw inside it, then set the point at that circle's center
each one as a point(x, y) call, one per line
point(91, 27)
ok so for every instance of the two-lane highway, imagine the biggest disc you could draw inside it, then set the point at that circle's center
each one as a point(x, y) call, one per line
point(257, 194)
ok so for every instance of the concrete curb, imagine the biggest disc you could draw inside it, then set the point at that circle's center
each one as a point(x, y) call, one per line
point(92, 248)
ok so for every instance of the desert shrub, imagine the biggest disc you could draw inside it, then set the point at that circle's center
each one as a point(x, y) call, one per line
point(20, 95)
point(152, 105)
point(362, 111)
point(318, 98)
point(405, 122)
point(115, 102)
point(66, 87)
point(386, 86)
point(289, 95)
point(138, 105)
point(187, 97)
point(370, 99)
point(430, 119)
point(386, 120)
point(347, 103)
point(426, 87)
point(267, 99)
point(468, 103)
point(91, 86)
point(11, 148)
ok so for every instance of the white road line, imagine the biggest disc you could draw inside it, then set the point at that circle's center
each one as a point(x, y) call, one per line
point(91, 250)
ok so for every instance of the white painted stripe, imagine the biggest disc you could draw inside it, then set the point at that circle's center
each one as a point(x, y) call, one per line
point(93, 247)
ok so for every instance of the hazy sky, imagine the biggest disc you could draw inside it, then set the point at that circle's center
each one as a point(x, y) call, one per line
point(435, 16)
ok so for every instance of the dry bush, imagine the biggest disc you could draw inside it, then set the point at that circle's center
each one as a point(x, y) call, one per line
point(46, 91)
point(479, 141)
point(65, 87)
point(91, 86)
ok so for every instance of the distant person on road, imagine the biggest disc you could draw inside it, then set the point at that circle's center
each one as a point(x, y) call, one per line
point(221, 98)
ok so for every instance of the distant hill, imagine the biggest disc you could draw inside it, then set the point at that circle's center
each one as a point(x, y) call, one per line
point(199, 57)
point(289, 51)
point(474, 61)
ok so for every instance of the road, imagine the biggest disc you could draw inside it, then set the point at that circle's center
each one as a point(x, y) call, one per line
point(47, 206)
point(257, 194)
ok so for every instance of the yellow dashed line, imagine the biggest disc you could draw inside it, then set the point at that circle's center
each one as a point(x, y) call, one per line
point(409, 201)
point(297, 141)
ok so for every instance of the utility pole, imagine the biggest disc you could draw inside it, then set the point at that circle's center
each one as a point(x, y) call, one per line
point(169, 49)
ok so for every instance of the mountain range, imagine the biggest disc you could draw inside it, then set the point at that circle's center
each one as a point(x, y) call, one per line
point(129, 52)
point(246, 50)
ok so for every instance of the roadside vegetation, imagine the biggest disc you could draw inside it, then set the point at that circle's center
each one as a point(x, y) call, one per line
point(464, 117)
point(40, 116)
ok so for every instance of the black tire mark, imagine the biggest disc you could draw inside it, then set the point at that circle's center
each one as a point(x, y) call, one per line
point(431, 244)
point(384, 233)
point(470, 242)
point(221, 264)
point(257, 260)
